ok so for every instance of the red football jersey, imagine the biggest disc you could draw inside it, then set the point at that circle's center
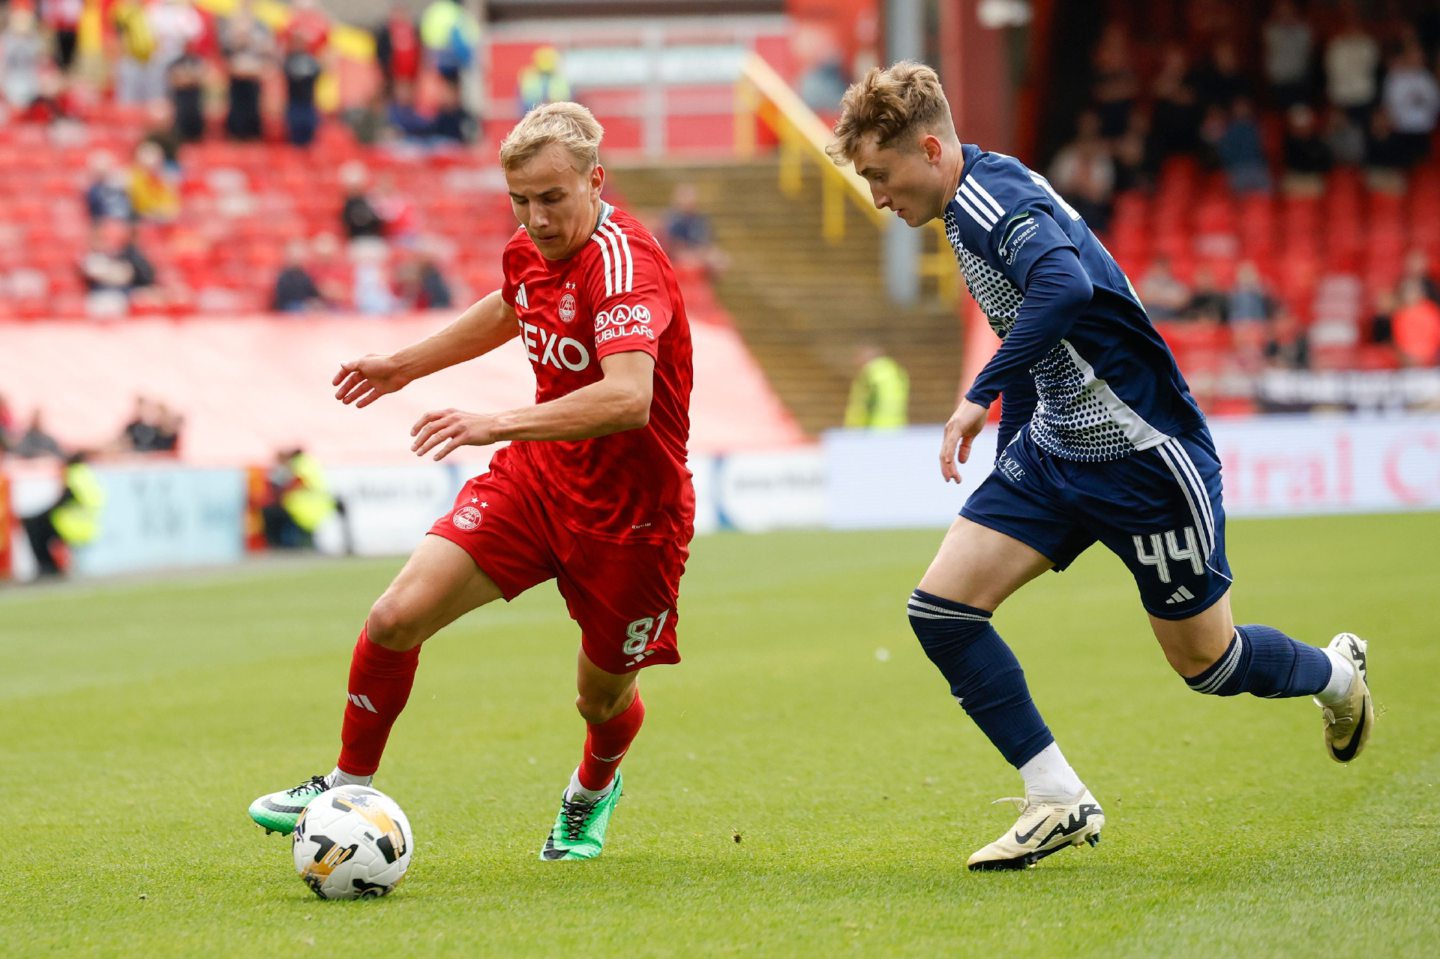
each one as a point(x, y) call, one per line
point(617, 294)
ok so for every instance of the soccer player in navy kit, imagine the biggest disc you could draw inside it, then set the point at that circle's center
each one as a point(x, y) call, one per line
point(1099, 440)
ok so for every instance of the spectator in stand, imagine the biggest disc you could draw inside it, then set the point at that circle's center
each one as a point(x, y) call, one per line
point(373, 292)
point(137, 47)
point(175, 26)
point(397, 48)
point(1115, 84)
point(160, 130)
point(1208, 303)
point(1307, 155)
point(1218, 80)
point(880, 392)
point(1415, 326)
point(302, 69)
point(1175, 117)
point(1083, 171)
point(369, 122)
point(452, 122)
point(402, 115)
point(186, 81)
point(542, 80)
point(399, 218)
point(1249, 302)
point(451, 36)
point(1135, 167)
point(311, 25)
point(1386, 161)
point(332, 273)
point(154, 427)
point(7, 425)
point(22, 54)
point(1163, 293)
point(108, 195)
point(1379, 329)
point(295, 289)
point(1287, 347)
point(1416, 266)
point(113, 269)
point(358, 215)
point(689, 236)
point(141, 433)
point(1238, 148)
point(419, 284)
point(35, 442)
point(1352, 61)
point(62, 19)
point(248, 49)
point(1289, 42)
point(1411, 97)
point(1345, 140)
point(154, 191)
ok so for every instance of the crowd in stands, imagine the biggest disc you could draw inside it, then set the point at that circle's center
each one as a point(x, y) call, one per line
point(1191, 145)
point(154, 427)
point(178, 79)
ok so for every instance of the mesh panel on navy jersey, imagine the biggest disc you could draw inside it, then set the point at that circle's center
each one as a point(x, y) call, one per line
point(1069, 421)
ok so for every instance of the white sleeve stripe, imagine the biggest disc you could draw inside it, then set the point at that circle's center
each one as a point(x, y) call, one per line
point(984, 194)
point(624, 263)
point(604, 252)
point(965, 203)
point(612, 263)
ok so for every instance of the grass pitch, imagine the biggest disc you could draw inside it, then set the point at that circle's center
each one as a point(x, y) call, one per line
point(804, 785)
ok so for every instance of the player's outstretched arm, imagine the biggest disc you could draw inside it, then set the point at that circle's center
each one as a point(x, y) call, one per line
point(960, 431)
point(620, 401)
point(488, 323)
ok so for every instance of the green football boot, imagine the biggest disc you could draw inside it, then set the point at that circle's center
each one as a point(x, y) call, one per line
point(579, 830)
point(278, 812)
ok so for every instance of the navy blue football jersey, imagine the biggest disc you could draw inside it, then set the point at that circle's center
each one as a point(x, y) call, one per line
point(1110, 386)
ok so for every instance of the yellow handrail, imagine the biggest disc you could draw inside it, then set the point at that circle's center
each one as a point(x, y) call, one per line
point(762, 94)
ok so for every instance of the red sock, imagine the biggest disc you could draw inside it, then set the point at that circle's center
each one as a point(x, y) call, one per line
point(380, 681)
point(606, 744)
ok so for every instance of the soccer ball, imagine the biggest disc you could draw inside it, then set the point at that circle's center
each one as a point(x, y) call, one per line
point(352, 842)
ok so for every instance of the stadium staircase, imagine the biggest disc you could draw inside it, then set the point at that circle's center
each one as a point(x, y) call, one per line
point(801, 305)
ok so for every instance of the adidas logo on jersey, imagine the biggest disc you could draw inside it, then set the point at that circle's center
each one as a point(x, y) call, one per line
point(1179, 596)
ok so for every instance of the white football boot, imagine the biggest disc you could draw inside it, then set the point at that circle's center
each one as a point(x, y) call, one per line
point(1043, 828)
point(1348, 722)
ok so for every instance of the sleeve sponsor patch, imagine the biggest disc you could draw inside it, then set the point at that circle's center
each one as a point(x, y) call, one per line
point(1017, 234)
point(623, 320)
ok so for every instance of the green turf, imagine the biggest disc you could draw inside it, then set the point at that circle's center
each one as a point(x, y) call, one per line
point(804, 785)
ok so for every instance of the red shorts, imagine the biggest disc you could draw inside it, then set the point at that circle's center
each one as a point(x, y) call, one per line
point(623, 596)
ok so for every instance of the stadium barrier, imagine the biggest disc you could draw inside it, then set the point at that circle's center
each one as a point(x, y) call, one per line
point(168, 516)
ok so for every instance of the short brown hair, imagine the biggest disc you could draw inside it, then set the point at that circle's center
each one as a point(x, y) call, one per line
point(568, 124)
point(893, 103)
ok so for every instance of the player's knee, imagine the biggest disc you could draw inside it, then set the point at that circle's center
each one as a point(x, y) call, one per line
point(945, 625)
point(392, 624)
point(601, 706)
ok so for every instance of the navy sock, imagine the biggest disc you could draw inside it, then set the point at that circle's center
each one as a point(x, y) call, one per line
point(984, 675)
point(1263, 661)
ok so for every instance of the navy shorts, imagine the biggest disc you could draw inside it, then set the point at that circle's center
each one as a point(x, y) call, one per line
point(1159, 510)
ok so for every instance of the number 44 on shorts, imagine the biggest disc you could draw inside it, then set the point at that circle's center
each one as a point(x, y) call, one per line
point(640, 634)
point(1168, 543)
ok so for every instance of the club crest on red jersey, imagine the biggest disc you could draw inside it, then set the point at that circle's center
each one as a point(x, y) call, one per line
point(567, 307)
point(466, 518)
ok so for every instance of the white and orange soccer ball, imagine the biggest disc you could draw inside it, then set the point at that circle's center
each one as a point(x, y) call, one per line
point(352, 842)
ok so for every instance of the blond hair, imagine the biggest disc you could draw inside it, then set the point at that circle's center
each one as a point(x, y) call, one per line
point(894, 103)
point(568, 124)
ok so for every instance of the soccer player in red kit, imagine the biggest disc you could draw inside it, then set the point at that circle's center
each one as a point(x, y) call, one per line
point(593, 491)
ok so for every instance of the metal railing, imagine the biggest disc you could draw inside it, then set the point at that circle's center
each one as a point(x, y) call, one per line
point(762, 95)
